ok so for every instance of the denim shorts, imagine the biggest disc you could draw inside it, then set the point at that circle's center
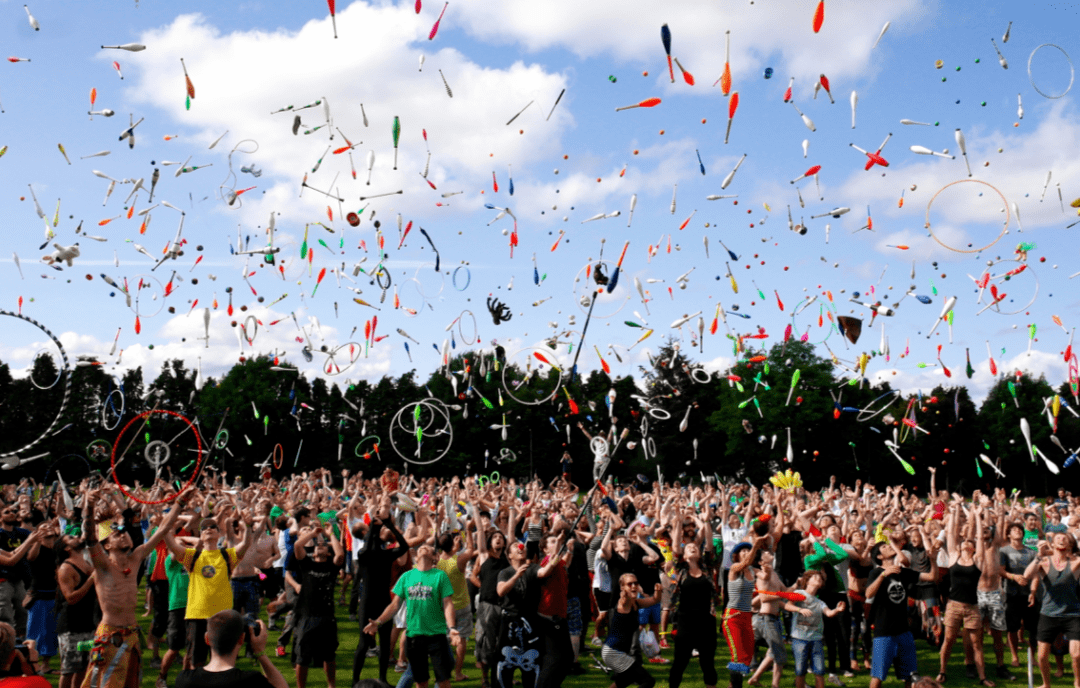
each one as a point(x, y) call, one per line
point(649, 615)
point(894, 648)
point(809, 654)
point(573, 616)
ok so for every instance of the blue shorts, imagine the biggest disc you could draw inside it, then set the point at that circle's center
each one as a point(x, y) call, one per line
point(573, 616)
point(894, 648)
point(809, 654)
point(649, 615)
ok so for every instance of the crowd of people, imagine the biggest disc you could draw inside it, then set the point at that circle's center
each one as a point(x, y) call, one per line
point(544, 581)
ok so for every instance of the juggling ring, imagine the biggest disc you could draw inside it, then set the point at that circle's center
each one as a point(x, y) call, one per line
point(98, 449)
point(659, 413)
point(694, 376)
point(375, 448)
point(506, 454)
point(468, 277)
point(1072, 72)
point(138, 293)
point(156, 454)
point(493, 480)
point(832, 323)
point(1004, 228)
point(434, 409)
point(599, 446)
point(1003, 279)
point(869, 406)
point(555, 391)
point(476, 331)
point(278, 454)
point(198, 459)
point(59, 374)
point(254, 329)
point(330, 358)
point(52, 466)
point(221, 440)
point(67, 382)
point(108, 404)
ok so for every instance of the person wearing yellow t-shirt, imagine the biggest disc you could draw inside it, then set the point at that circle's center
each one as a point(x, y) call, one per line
point(452, 561)
point(209, 585)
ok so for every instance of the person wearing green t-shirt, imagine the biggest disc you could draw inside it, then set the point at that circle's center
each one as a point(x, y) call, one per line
point(176, 633)
point(1032, 530)
point(429, 613)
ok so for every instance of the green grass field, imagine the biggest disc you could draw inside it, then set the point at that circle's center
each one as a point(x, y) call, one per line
point(348, 634)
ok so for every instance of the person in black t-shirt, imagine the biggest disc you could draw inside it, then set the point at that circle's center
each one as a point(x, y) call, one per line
point(316, 628)
point(13, 578)
point(887, 594)
point(226, 634)
point(520, 644)
point(488, 613)
point(383, 544)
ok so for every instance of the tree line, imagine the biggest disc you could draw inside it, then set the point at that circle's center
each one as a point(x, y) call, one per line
point(683, 422)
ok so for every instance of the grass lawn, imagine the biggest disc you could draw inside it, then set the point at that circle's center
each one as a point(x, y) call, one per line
point(348, 634)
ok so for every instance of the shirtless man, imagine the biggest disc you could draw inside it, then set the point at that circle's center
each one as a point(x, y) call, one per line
point(991, 596)
point(767, 622)
point(260, 555)
point(116, 657)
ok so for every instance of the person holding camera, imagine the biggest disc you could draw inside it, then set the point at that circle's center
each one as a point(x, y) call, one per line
point(18, 663)
point(226, 633)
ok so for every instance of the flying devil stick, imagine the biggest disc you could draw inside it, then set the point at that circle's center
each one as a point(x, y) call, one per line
point(592, 304)
point(598, 485)
point(397, 135)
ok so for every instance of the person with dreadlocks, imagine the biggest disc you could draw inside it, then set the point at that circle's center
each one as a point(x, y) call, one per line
point(116, 657)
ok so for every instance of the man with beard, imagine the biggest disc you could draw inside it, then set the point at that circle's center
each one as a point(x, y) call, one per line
point(115, 659)
point(13, 578)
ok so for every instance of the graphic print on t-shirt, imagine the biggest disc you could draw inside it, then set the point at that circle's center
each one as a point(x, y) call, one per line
point(896, 592)
point(420, 592)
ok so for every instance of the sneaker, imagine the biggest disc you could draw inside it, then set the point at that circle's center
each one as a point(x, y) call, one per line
point(161, 682)
point(1004, 673)
point(272, 626)
point(155, 663)
point(280, 651)
point(373, 651)
point(971, 672)
point(849, 674)
point(400, 668)
point(664, 644)
point(834, 680)
point(658, 660)
point(694, 653)
point(596, 642)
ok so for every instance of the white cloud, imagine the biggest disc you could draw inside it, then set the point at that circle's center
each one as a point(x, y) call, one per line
point(909, 379)
point(629, 31)
point(971, 212)
point(232, 94)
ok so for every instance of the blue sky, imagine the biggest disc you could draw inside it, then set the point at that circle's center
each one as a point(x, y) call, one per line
point(250, 59)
